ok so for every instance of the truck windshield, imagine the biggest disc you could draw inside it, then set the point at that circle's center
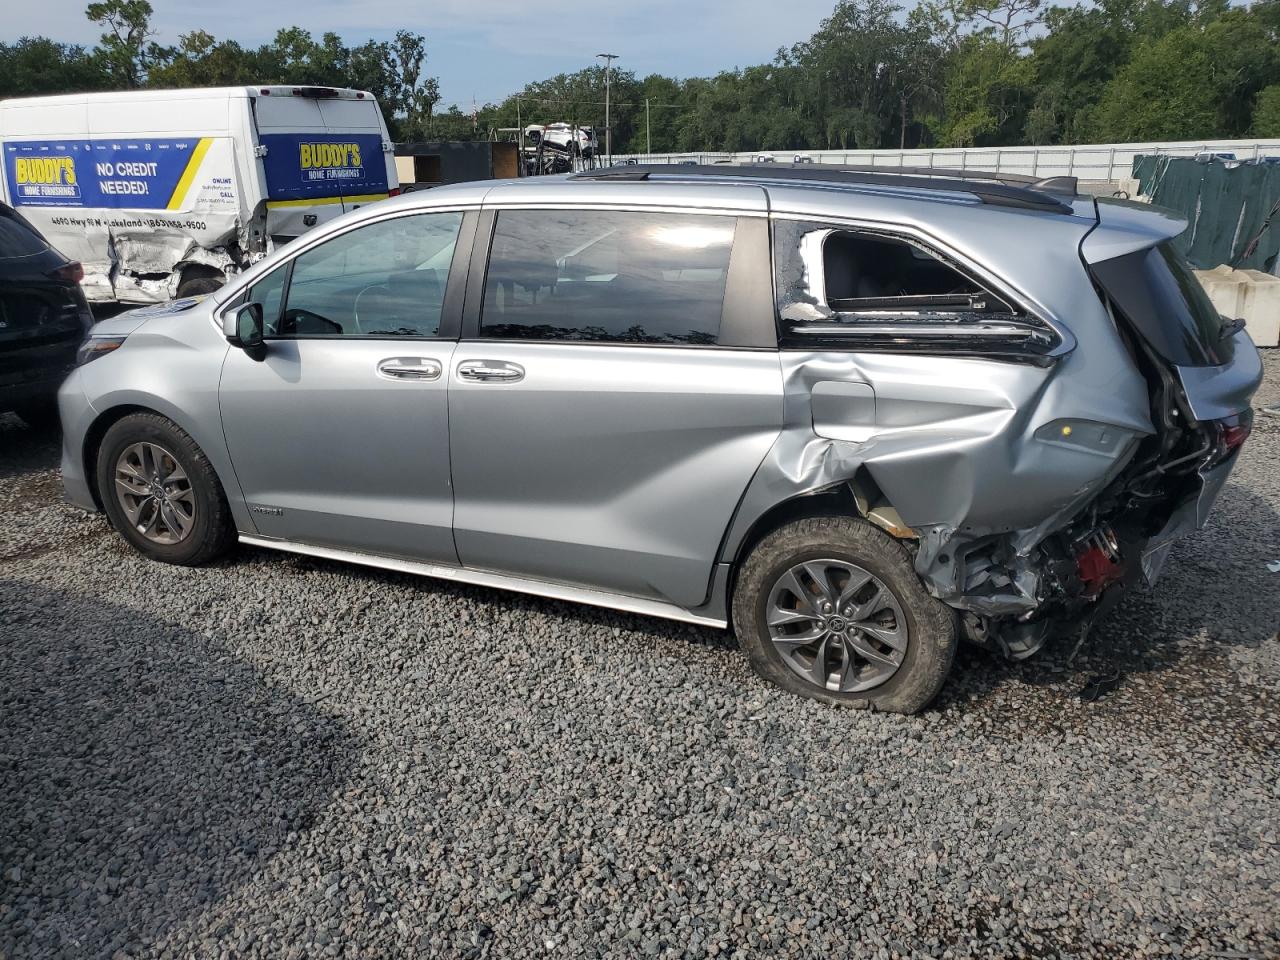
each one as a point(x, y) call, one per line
point(1160, 296)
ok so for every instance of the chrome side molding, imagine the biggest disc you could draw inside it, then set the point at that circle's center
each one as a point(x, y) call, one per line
point(487, 578)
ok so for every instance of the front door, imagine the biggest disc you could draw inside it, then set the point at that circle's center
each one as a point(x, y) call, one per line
point(339, 437)
point(602, 425)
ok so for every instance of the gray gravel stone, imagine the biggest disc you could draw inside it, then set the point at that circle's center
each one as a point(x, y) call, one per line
point(282, 757)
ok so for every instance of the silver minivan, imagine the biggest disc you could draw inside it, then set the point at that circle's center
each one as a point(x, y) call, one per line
point(858, 415)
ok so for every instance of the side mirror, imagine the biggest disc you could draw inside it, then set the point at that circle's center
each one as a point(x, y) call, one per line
point(246, 330)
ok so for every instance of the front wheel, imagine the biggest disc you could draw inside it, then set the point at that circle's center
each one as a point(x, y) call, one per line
point(161, 493)
point(831, 608)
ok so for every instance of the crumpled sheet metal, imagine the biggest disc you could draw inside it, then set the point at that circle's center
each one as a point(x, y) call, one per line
point(952, 449)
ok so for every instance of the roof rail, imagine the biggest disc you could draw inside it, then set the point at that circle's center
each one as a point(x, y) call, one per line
point(1006, 190)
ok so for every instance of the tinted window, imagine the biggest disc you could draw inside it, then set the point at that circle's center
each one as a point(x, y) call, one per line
point(386, 279)
point(607, 276)
point(1158, 293)
point(17, 239)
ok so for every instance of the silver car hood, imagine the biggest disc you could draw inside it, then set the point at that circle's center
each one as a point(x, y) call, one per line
point(126, 323)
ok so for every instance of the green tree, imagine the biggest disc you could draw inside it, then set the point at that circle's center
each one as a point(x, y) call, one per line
point(32, 66)
point(1167, 91)
point(126, 48)
point(988, 94)
point(415, 95)
point(200, 60)
point(1266, 112)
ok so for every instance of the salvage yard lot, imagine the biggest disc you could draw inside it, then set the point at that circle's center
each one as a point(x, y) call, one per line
point(278, 756)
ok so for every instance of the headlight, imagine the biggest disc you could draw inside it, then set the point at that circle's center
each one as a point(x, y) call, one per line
point(96, 347)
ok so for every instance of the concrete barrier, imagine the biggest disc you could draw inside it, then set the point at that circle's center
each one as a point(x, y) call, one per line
point(1246, 293)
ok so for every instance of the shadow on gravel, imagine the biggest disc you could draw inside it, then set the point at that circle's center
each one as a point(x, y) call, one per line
point(25, 450)
point(145, 773)
point(1215, 586)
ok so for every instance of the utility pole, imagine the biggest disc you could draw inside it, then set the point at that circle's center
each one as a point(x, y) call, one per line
point(608, 59)
point(648, 142)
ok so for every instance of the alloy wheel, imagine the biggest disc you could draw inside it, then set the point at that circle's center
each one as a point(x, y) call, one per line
point(836, 625)
point(155, 493)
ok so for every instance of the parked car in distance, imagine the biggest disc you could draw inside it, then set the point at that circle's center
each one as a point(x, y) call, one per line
point(44, 318)
point(855, 413)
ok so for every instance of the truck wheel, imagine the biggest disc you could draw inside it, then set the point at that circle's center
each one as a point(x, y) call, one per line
point(161, 493)
point(198, 286)
point(831, 608)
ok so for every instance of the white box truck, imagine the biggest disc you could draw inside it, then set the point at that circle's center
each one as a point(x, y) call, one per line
point(165, 193)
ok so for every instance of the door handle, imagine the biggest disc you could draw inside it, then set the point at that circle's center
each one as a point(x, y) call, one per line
point(410, 368)
point(490, 371)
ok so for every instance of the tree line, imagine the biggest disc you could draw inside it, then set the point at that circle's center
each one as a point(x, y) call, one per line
point(873, 75)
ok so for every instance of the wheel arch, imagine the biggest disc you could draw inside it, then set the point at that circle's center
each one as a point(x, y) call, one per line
point(856, 496)
point(214, 451)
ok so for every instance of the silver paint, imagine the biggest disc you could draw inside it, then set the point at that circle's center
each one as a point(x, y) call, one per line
point(631, 476)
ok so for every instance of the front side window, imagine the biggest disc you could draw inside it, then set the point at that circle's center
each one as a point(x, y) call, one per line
point(269, 291)
point(607, 276)
point(383, 280)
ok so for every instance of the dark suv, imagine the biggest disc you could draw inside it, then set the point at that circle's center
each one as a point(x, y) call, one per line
point(43, 320)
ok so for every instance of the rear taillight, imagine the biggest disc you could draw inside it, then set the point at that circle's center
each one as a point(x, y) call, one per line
point(393, 192)
point(1233, 437)
point(72, 272)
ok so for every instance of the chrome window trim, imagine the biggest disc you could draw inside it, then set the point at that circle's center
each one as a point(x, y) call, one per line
point(488, 578)
point(931, 244)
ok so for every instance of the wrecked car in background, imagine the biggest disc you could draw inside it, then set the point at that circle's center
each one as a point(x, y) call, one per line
point(164, 193)
point(854, 413)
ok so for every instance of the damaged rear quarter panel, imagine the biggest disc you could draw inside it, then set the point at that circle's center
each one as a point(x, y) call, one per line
point(951, 441)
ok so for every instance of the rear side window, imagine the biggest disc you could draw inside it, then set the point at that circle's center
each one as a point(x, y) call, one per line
point(860, 290)
point(1160, 296)
point(18, 240)
point(606, 276)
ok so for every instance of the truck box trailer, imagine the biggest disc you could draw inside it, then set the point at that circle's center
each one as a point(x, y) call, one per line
point(164, 193)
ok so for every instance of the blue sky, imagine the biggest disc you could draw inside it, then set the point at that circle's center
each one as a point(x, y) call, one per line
point(486, 48)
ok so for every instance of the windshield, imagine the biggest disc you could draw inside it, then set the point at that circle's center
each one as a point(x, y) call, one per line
point(1159, 294)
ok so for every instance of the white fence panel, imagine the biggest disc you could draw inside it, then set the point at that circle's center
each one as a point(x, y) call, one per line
point(1100, 162)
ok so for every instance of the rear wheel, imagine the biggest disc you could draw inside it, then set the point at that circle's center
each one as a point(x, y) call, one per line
point(161, 493)
point(831, 608)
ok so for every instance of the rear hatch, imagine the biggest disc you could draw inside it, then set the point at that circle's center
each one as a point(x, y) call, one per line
point(1155, 292)
point(324, 155)
point(43, 313)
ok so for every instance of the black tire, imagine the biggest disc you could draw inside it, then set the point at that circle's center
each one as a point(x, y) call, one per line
point(213, 531)
point(40, 415)
point(199, 286)
point(931, 624)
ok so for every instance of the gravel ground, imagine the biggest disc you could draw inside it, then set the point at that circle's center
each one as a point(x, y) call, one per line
point(289, 758)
